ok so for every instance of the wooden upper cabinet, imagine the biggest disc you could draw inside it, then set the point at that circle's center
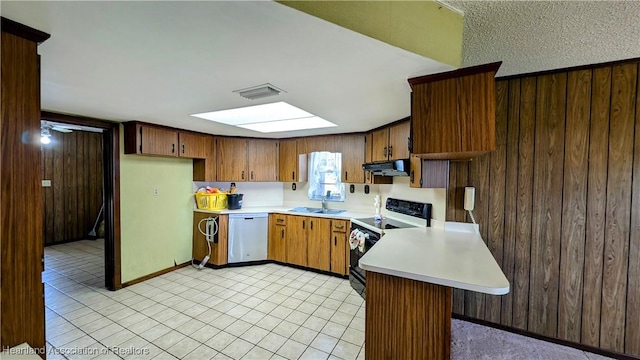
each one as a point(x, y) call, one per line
point(263, 160)
point(453, 113)
point(391, 143)
point(231, 161)
point(399, 141)
point(380, 145)
point(146, 139)
point(193, 145)
point(322, 143)
point(292, 160)
point(353, 148)
point(240, 159)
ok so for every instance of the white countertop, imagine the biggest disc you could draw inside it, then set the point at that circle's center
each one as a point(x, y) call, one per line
point(451, 258)
point(286, 210)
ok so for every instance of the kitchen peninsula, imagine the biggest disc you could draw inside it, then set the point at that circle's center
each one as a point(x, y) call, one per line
point(410, 274)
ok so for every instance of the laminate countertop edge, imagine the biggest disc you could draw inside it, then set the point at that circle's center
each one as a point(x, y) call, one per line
point(456, 259)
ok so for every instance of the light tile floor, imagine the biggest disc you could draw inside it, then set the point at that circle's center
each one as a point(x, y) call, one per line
point(254, 312)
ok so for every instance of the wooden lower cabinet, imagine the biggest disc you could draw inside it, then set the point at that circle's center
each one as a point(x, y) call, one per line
point(339, 247)
point(296, 240)
point(277, 249)
point(318, 243)
point(219, 249)
point(314, 242)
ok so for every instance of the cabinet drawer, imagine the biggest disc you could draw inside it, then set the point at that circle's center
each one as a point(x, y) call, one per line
point(339, 225)
point(280, 219)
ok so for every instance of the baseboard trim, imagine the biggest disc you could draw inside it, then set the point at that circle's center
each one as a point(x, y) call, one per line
point(578, 346)
point(157, 273)
point(262, 262)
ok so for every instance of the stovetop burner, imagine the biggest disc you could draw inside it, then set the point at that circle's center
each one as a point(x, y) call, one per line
point(385, 223)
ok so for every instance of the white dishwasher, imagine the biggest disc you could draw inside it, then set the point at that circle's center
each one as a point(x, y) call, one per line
point(248, 235)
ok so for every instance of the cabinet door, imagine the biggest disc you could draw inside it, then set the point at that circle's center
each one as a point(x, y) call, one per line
point(158, 141)
point(380, 145)
point(415, 174)
point(277, 241)
point(193, 145)
point(296, 240)
point(339, 245)
point(288, 160)
point(352, 158)
point(231, 159)
point(399, 141)
point(368, 146)
point(433, 117)
point(319, 246)
point(263, 160)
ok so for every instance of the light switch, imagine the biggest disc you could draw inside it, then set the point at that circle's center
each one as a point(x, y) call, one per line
point(156, 191)
point(46, 183)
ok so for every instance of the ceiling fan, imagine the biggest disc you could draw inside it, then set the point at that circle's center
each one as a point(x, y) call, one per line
point(47, 126)
point(63, 128)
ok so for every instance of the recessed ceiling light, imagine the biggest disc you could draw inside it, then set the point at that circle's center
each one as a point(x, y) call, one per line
point(273, 117)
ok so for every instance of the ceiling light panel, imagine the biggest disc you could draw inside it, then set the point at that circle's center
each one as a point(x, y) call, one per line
point(256, 114)
point(313, 122)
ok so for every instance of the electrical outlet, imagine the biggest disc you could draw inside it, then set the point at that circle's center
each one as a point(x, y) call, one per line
point(156, 191)
point(46, 183)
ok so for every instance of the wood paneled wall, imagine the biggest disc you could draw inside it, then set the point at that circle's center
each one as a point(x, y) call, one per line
point(73, 163)
point(22, 305)
point(558, 204)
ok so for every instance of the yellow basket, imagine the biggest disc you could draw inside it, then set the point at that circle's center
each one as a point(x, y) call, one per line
point(211, 201)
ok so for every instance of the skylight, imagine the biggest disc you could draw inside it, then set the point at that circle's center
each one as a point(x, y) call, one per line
point(267, 118)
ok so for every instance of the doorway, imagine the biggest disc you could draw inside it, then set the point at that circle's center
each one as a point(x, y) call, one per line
point(107, 175)
point(73, 187)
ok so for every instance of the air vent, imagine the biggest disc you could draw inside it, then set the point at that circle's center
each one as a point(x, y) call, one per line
point(259, 91)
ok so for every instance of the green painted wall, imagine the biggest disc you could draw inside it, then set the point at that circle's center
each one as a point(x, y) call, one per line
point(426, 28)
point(155, 230)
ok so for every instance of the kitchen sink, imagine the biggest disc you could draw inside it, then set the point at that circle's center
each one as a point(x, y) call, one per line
point(312, 210)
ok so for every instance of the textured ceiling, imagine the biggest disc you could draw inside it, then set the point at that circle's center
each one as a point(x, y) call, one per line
point(530, 36)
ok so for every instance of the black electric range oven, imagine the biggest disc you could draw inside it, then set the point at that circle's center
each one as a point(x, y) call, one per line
point(374, 230)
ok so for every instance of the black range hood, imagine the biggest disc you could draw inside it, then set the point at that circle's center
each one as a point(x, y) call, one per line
point(388, 168)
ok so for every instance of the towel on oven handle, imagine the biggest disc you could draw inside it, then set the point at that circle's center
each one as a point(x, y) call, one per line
point(356, 239)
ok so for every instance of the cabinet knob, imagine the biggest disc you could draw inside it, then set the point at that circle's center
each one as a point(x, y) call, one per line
point(384, 152)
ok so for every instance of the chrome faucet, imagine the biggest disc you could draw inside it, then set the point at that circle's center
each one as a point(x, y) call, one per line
point(324, 202)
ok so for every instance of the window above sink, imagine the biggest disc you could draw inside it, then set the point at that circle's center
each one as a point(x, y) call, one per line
point(325, 169)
